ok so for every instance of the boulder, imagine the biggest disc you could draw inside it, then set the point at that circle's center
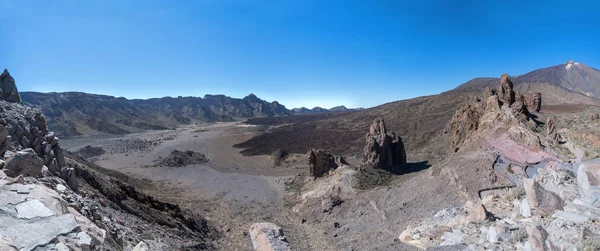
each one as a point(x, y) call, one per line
point(8, 88)
point(506, 93)
point(268, 237)
point(382, 149)
point(537, 237)
point(142, 246)
point(545, 201)
point(24, 162)
point(28, 235)
point(595, 116)
point(481, 214)
point(320, 162)
point(32, 209)
point(588, 181)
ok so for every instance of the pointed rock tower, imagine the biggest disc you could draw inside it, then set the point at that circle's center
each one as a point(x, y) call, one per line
point(8, 88)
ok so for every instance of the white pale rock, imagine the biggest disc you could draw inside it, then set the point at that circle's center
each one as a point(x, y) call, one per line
point(572, 217)
point(142, 246)
point(492, 234)
point(268, 237)
point(31, 209)
point(60, 188)
point(84, 239)
point(527, 246)
point(452, 238)
point(525, 209)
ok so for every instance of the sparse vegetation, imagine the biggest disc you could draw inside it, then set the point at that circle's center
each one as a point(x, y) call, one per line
point(279, 156)
point(516, 193)
point(590, 244)
point(518, 235)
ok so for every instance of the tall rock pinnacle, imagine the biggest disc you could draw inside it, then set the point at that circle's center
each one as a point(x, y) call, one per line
point(8, 88)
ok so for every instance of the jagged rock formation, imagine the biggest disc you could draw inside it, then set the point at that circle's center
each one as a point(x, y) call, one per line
point(506, 93)
point(22, 127)
point(465, 122)
point(383, 150)
point(8, 89)
point(320, 162)
point(489, 107)
point(551, 131)
point(537, 102)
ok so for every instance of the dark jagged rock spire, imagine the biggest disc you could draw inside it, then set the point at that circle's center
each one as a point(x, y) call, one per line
point(8, 88)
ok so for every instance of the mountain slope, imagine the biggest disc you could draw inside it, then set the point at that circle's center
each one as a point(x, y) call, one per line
point(74, 113)
point(570, 83)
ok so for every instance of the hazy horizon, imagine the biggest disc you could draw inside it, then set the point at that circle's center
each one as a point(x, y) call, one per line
point(301, 54)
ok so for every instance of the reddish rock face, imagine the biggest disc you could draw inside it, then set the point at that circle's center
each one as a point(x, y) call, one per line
point(383, 150)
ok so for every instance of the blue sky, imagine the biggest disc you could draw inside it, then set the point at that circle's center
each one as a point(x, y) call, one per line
point(300, 53)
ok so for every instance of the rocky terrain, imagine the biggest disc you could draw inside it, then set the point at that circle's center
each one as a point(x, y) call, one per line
point(491, 165)
point(51, 200)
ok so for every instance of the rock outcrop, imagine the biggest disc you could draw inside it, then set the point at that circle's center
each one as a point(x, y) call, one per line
point(181, 158)
point(506, 93)
point(466, 121)
point(320, 162)
point(42, 207)
point(383, 150)
point(551, 131)
point(536, 102)
point(9, 88)
point(21, 128)
point(268, 237)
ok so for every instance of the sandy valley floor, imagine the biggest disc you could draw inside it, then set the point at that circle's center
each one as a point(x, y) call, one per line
point(231, 190)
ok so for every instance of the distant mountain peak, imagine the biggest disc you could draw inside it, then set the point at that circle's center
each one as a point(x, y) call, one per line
point(570, 64)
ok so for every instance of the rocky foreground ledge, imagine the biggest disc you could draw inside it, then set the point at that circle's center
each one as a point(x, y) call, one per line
point(51, 200)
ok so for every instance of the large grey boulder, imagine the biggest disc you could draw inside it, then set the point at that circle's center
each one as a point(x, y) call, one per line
point(24, 162)
point(28, 235)
point(268, 237)
point(32, 209)
point(382, 149)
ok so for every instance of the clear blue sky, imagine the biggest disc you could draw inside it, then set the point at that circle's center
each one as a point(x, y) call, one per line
point(301, 53)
